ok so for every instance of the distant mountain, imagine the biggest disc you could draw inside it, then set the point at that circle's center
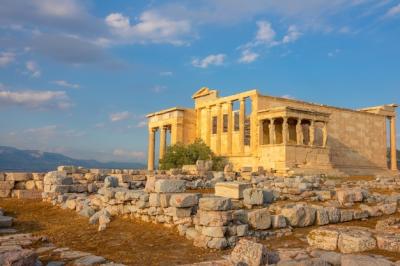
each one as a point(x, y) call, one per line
point(12, 159)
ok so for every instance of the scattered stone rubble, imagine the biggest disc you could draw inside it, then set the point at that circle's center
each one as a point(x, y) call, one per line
point(244, 205)
point(29, 250)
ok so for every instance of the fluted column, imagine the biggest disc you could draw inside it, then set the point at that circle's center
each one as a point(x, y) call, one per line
point(393, 156)
point(312, 132)
point(299, 132)
point(325, 134)
point(272, 131)
point(150, 159)
point(219, 128)
point(230, 126)
point(163, 141)
point(254, 128)
point(285, 130)
point(241, 125)
point(198, 123)
point(209, 126)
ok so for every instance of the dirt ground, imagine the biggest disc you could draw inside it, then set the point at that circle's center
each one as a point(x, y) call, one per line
point(127, 241)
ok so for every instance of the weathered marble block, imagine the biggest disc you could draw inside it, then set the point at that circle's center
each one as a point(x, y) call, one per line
point(232, 190)
point(170, 186)
point(215, 204)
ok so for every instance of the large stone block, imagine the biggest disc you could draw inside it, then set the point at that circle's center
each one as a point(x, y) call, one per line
point(388, 242)
point(27, 194)
point(184, 200)
point(18, 176)
point(5, 193)
point(214, 218)
point(323, 238)
point(170, 186)
point(232, 190)
point(349, 195)
point(5, 221)
point(259, 219)
point(111, 181)
point(355, 240)
point(299, 215)
point(214, 231)
point(178, 212)
point(249, 253)
point(215, 204)
point(7, 185)
point(253, 196)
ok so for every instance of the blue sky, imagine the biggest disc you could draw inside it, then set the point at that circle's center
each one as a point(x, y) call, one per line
point(78, 77)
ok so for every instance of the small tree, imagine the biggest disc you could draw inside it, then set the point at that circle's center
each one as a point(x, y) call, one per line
point(178, 155)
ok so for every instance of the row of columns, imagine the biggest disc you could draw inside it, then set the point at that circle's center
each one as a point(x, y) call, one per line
point(299, 132)
point(152, 141)
point(220, 126)
point(393, 152)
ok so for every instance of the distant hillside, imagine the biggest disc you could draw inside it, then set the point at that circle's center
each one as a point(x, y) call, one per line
point(12, 159)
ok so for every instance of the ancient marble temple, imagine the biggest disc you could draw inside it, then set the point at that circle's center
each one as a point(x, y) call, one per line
point(283, 136)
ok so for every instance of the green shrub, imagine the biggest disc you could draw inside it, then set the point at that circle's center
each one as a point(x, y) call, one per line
point(178, 155)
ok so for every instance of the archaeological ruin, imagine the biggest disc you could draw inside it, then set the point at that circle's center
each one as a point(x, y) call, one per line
point(283, 136)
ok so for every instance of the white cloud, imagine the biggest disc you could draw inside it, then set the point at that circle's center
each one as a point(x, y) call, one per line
point(6, 58)
point(36, 99)
point(129, 154)
point(212, 59)
point(287, 96)
point(292, 35)
point(114, 117)
point(59, 8)
point(166, 73)
point(265, 32)
point(64, 83)
point(248, 57)
point(152, 27)
point(394, 11)
point(33, 69)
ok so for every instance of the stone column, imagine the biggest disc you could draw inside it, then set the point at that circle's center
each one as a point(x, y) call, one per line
point(209, 126)
point(163, 141)
point(150, 159)
point(241, 125)
point(230, 127)
point(325, 134)
point(219, 128)
point(272, 131)
point(299, 132)
point(198, 123)
point(285, 131)
point(312, 132)
point(393, 156)
point(254, 126)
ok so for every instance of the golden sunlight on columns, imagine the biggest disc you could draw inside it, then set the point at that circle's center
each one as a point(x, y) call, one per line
point(272, 131)
point(254, 129)
point(150, 162)
point(163, 141)
point(209, 126)
point(285, 130)
point(312, 132)
point(198, 123)
point(230, 126)
point(393, 156)
point(241, 125)
point(219, 128)
point(299, 132)
point(325, 134)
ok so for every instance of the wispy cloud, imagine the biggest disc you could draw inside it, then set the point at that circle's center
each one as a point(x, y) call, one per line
point(152, 27)
point(36, 99)
point(6, 58)
point(393, 11)
point(158, 88)
point(248, 57)
point(33, 69)
point(66, 84)
point(334, 52)
point(114, 117)
point(292, 35)
point(141, 124)
point(212, 59)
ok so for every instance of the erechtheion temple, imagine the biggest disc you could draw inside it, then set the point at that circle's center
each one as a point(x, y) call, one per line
point(284, 136)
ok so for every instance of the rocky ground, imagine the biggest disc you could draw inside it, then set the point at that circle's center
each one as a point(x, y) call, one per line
point(259, 217)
